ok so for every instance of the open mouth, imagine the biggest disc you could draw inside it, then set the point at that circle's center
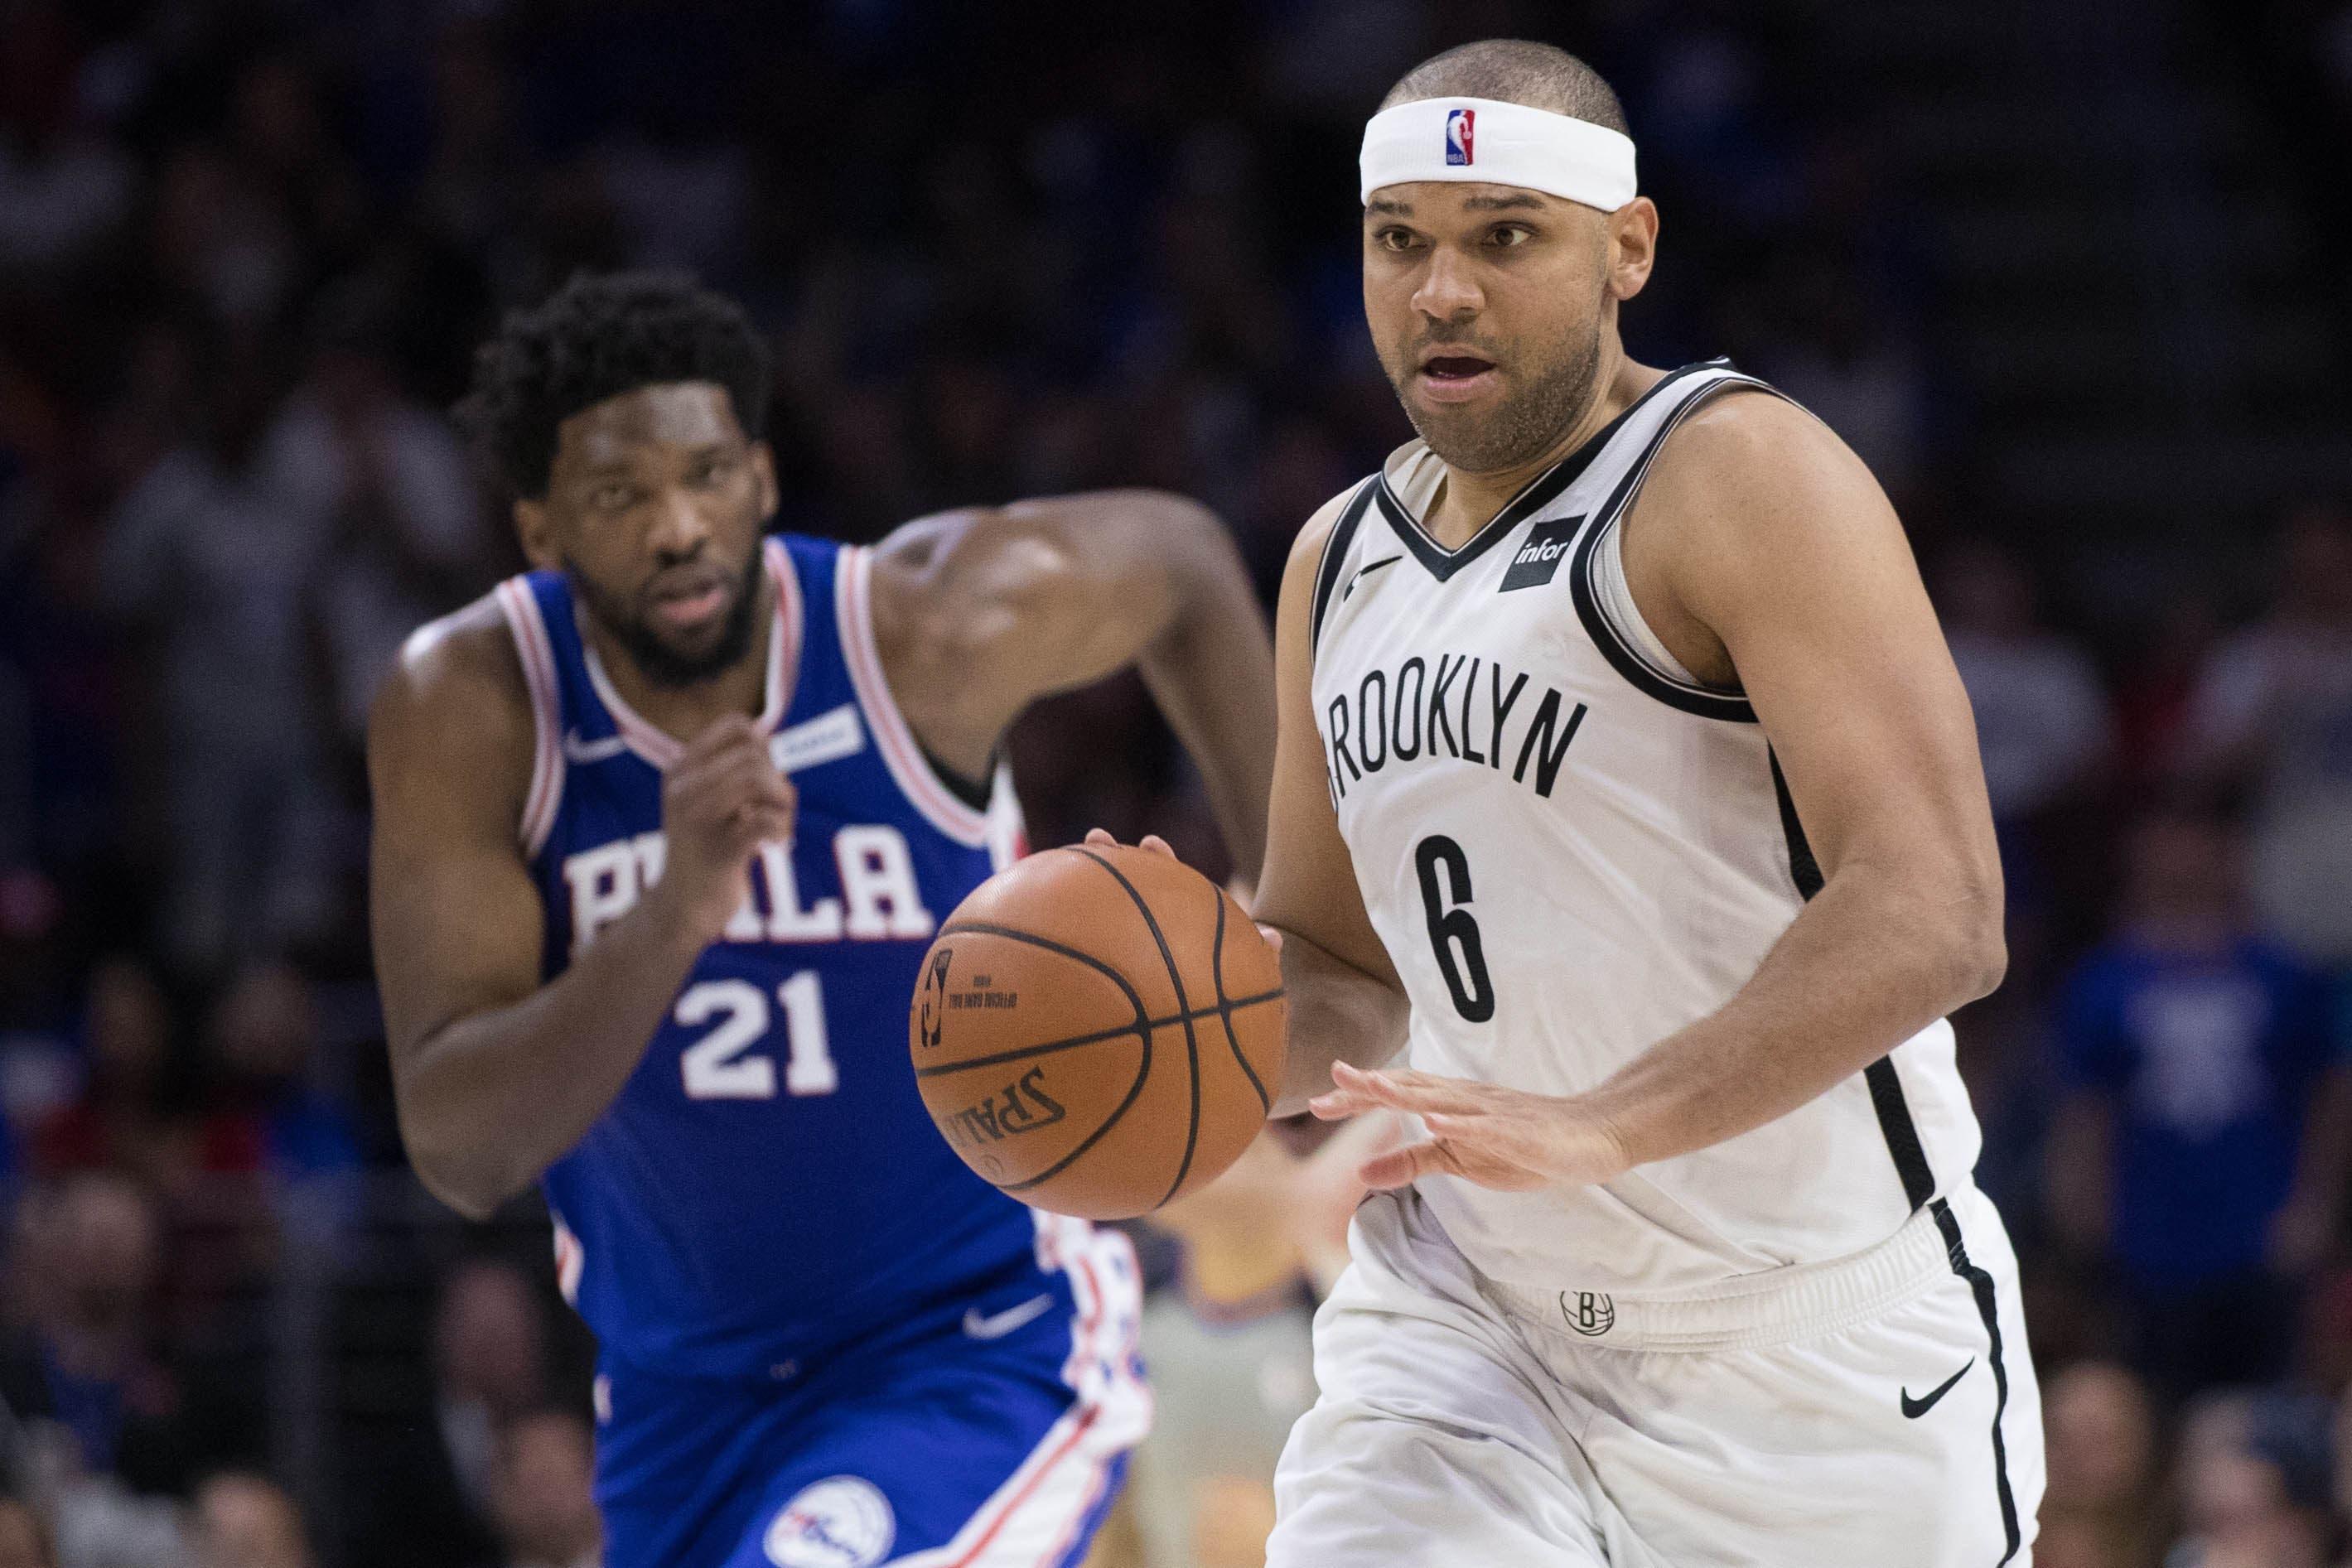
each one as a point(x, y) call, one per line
point(691, 605)
point(1451, 378)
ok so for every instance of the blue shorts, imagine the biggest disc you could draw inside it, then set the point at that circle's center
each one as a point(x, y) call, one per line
point(987, 1433)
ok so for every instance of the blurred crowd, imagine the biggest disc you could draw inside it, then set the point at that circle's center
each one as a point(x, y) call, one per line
point(244, 250)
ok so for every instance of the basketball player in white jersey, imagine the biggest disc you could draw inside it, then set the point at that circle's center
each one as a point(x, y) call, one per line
point(1625, 790)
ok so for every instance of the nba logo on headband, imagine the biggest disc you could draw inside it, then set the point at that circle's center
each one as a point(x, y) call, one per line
point(1458, 127)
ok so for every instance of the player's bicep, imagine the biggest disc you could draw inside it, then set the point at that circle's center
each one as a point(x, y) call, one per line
point(455, 920)
point(1791, 554)
point(1309, 886)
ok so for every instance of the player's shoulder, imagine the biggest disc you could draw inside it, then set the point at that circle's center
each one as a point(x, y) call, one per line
point(1307, 550)
point(1747, 433)
point(460, 678)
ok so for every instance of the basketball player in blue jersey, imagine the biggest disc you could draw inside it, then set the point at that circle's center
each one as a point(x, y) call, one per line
point(662, 830)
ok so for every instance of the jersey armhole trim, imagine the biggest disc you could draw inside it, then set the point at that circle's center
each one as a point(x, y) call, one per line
point(536, 654)
point(1623, 655)
point(1335, 555)
point(901, 754)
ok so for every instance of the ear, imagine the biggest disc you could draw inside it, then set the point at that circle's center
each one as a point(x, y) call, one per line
point(536, 529)
point(1633, 246)
point(763, 472)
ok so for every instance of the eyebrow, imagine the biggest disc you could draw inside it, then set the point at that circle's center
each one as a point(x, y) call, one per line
point(1389, 205)
point(1502, 203)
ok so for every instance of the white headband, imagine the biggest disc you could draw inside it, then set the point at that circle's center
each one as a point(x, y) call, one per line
point(1501, 144)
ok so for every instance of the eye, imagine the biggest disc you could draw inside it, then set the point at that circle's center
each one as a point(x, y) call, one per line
point(1396, 239)
point(1505, 236)
point(613, 497)
point(710, 470)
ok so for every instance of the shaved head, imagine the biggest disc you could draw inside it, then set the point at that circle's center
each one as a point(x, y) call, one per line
point(1513, 70)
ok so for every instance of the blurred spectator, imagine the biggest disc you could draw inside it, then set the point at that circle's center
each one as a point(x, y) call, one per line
point(83, 1358)
point(118, 1122)
point(2101, 1435)
point(244, 1520)
point(2042, 719)
point(2274, 710)
point(542, 1492)
point(24, 1538)
point(395, 501)
point(440, 1494)
point(211, 551)
point(1232, 1367)
point(2255, 1485)
point(269, 1117)
point(1228, 1343)
point(2207, 1123)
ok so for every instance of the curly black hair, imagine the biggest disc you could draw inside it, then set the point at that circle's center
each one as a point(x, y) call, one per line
point(599, 336)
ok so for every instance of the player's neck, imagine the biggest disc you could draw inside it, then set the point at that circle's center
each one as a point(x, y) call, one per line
point(1466, 502)
point(684, 712)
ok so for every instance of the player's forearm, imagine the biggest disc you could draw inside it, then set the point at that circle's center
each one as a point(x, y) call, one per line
point(1211, 670)
point(1337, 1013)
point(488, 1100)
point(1874, 958)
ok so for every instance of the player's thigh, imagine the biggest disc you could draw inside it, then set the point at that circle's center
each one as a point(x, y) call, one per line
point(1432, 1442)
point(1907, 1439)
point(983, 1460)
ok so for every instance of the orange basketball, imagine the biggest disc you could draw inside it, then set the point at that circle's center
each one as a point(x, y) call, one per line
point(1098, 1031)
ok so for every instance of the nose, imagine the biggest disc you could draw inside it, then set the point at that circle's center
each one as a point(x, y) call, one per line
point(1448, 292)
point(680, 527)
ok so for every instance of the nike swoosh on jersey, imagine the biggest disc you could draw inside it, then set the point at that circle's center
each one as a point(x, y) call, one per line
point(1915, 1408)
point(1359, 572)
point(586, 751)
point(996, 1325)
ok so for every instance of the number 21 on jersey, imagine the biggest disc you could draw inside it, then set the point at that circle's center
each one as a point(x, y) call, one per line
point(721, 1065)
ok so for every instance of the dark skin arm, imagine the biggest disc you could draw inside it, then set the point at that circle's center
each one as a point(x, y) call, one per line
point(977, 613)
point(980, 613)
point(496, 1075)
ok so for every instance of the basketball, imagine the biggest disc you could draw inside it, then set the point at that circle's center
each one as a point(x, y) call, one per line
point(1098, 1031)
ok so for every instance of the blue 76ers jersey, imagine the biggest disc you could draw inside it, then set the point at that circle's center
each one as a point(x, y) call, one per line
point(767, 1185)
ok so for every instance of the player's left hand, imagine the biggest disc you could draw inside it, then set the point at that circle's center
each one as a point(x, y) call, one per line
point(1503, 1138)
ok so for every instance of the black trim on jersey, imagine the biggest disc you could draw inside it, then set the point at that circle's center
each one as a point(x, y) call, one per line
point(1326, 570)
point(1732, 707)
point(1887, 1096)
point(1627, 661)
point(971, 791)
point(1541, 492)
point(1980, 1284)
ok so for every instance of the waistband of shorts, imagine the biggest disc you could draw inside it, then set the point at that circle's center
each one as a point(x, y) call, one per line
point(1776, 1306)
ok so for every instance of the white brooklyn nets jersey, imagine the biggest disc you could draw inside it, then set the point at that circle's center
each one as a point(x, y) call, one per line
point(1571, 849)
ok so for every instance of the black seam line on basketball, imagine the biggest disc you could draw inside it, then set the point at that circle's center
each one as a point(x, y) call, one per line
point(1192, 1039)
point(1050, 1046)
point(1537, 494)
point(1335, 555)
point(1142, 1023)
point(1980, 1285)
point(1226, 1006)
point(1727, 706)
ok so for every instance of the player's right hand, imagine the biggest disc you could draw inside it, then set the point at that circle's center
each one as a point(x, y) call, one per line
point(721, 799)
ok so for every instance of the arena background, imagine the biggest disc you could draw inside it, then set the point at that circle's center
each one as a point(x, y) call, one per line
point(2070, 277)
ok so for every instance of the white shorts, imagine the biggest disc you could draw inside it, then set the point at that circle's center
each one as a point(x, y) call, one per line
point(1877, 1412)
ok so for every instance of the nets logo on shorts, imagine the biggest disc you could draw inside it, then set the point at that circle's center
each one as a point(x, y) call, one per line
point(1588, 1313)
point(1460, 124)
point(839, 1523)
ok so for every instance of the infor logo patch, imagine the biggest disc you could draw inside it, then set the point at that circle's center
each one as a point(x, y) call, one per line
point(840, 1522)
point(1540, 553)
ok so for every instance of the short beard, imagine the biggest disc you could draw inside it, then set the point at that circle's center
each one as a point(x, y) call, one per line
point(656, 660)
point(1525, 427)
